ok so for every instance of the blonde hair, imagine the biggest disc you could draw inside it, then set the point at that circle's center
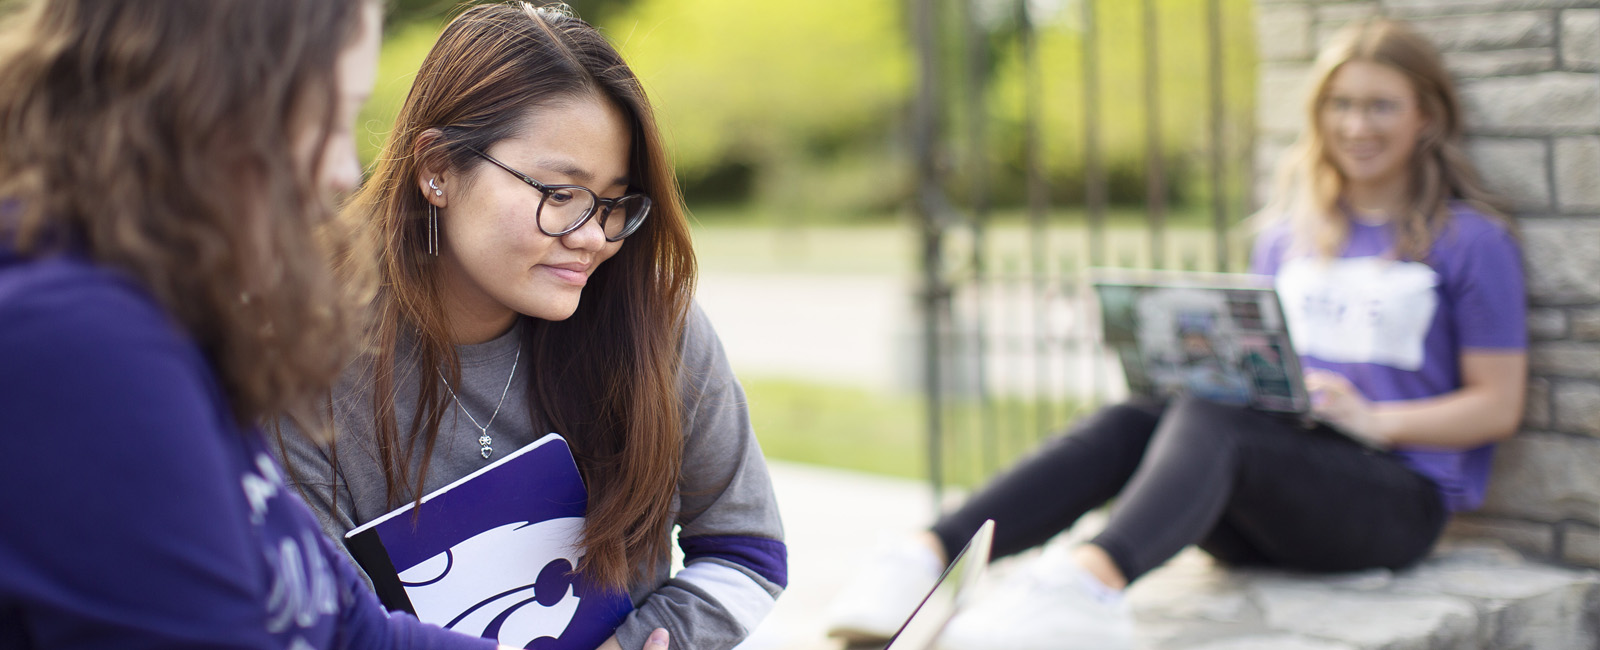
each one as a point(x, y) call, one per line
point(1309, 186)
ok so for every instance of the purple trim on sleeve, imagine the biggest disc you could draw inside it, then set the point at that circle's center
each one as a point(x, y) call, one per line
point(769, 558)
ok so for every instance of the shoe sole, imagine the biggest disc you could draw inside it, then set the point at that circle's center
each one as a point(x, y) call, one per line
point(857, 636)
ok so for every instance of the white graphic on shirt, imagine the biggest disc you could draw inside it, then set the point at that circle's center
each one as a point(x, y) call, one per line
point(1359, 310)
point(514, 602)
point(303, 585)
point(258, 489)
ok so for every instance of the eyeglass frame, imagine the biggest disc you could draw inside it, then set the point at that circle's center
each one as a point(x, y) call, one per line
point(545, 189)
point(1379, 109)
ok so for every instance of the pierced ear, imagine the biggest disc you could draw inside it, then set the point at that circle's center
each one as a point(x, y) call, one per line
point(433, 178)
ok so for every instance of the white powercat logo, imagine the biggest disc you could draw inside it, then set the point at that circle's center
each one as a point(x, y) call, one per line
point(519, 577)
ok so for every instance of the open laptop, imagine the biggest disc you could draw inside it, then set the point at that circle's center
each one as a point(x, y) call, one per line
point(1217, 336)
point(948, 595)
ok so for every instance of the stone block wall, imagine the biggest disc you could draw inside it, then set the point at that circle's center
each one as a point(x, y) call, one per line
point(1529, 74)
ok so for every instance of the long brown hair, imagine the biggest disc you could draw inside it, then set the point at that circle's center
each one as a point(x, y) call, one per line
point(158, 138)
point(1310, 186)
point(605, 378)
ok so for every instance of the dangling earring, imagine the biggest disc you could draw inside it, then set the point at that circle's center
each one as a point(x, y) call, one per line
point(433, 220)
point(433, 230)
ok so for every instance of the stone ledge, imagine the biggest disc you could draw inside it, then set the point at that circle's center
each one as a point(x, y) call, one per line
point(1467, 596)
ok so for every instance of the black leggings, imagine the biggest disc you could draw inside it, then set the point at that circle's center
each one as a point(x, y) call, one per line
point(1249, 487)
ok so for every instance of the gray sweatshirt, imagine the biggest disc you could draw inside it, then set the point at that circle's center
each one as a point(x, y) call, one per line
point(728, 527)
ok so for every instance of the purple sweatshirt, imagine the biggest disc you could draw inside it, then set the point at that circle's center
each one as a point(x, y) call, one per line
point(133, 512)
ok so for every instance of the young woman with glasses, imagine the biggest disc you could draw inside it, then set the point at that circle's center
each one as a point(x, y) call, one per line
point(1403, 287)
point(537, 277)
point(167, 171)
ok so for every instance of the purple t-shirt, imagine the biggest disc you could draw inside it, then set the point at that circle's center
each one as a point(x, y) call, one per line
point(133, 512)
point(1397, 329)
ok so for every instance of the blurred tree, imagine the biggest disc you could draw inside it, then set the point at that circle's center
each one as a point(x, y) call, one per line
point(1184, 71)
point(413, 27)
point(792, 104)
point(796, 110)
point(405, 12)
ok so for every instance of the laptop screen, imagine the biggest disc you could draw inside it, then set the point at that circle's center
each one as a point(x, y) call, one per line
point(948, 594)
point(1217, 337)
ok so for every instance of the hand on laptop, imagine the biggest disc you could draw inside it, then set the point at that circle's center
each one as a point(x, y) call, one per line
point(1339, 403)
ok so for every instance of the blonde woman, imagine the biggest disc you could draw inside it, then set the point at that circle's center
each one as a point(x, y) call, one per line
point(1403, 288)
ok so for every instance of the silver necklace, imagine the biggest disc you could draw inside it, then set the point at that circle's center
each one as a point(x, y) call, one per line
point(485, 443)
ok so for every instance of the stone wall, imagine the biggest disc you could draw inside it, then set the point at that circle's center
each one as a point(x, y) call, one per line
point(1529, 74)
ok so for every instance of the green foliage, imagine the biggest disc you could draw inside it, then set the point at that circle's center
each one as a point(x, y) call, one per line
point(802, 109)
point(413, 26)
point(1120, 60)
point(798, 110)
point(406, 12)
point(771, 95)
point(403, 51)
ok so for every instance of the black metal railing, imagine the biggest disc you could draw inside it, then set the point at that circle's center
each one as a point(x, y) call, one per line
point(1009, 338)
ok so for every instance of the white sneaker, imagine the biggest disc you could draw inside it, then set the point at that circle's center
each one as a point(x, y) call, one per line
point(879, 599)
point(1050, 605)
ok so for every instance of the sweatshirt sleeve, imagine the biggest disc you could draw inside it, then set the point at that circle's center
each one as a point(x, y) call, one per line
point(123, 525)
point(735, 561)
point(136, 513)
point(309, 468)
point(363, 622)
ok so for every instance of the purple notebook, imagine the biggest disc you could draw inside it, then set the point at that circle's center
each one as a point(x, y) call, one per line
point(492, 554)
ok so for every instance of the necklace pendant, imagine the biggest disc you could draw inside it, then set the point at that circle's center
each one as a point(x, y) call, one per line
point(486, 451)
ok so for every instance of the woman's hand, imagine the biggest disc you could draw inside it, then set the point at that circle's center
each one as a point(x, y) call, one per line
point(657, 641)
point(1486, 409)
point(1338, 402)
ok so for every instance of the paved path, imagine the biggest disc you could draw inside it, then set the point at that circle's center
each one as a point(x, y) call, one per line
point(849, 329)
point(863, 330)
point(1468, 596)
point(854, 329)
point(831, 517)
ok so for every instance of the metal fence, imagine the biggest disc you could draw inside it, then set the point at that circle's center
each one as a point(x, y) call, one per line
point(1009, 340)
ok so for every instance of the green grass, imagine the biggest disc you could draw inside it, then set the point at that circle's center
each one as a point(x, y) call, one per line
point(882, 432)
point(891, 248)
point(838, 426)
point(886, 433)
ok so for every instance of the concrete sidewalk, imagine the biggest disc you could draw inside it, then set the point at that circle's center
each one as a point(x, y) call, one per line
point(1467, 596)
point(832, 519)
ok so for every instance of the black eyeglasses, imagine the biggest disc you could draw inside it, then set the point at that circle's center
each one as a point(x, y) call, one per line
point(568, 207)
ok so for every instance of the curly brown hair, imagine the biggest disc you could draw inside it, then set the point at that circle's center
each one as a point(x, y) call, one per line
point(158, 138)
